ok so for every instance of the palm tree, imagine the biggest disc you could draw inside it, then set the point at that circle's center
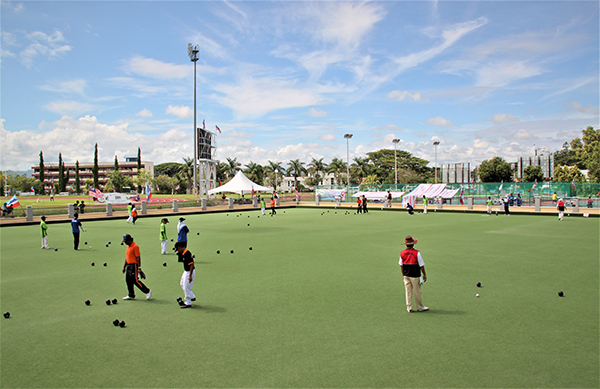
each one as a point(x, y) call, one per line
point(255, 172)
point(296, 168)
point(232, 167)
point(360, 168)
point(187, 170)
point(317, 167)
point(274, 169)
point(337, 167)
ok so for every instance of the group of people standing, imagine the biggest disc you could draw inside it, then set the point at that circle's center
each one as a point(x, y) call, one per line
point(361, 204)
point(133, 263)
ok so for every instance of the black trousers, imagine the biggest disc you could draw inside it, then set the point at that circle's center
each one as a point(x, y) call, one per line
point(132, 281)
point(273, 211)
point(76, 240)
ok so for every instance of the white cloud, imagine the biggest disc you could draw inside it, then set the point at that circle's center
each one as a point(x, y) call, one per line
point(502, 73)
point(144, 113)
point(439, 121)
point(67, 87)
point(181, 111)
point(253, 97)
point(43, 45)
point(152, 68)
point(397, 95)
point(69, 107)
point(500, 118)
point(317, 113)
point(235, 134)
point(523, 135)
point(16, 7)
point(327, 137)
point(576, 106)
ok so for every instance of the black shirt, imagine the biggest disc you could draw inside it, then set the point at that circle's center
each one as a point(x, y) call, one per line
point(187, 259)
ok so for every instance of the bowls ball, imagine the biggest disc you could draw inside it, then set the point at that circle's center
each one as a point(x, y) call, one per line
point(164, 264)
point(93, 264)
point(561, 294)
point(114, 301)
point(6, 315)
point(116, 322)
point(479, 284)
point(107, 302)
point(122, 324)
point(104, 263)
point(87, 302)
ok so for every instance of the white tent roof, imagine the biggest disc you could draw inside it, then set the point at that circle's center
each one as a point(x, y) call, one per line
point(240, 184)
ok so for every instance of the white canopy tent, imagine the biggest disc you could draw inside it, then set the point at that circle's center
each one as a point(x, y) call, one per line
point(240, 184)
point(378, 195)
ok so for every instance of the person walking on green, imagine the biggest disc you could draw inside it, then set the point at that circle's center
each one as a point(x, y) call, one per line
point(163, 236)
point(489, 204)
point(424, 204)
point(262, 205)
point(44, 231)
point(129, 208)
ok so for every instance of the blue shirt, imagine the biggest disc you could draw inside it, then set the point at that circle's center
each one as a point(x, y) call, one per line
point(182, 235)
point(75, 224)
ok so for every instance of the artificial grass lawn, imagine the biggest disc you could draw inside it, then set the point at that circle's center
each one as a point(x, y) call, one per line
point(317, 302)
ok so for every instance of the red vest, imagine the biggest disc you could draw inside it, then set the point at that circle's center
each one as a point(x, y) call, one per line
point(409, 257)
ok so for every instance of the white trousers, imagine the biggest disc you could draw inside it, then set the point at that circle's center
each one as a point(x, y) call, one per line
point(130, 218)
point(186, 285)
point(45, 242)
point(424, 208)
point(561, 214)
point(163, 246)
point(262, 210)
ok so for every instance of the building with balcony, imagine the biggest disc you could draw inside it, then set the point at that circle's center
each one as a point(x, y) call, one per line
point(105, 169)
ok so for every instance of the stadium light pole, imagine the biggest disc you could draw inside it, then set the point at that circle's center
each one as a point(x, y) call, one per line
point(435, 144)
point(193, 54)
point(395, 161)
point(347, 137)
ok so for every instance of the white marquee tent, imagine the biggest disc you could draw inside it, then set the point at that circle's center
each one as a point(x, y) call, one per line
point(240, 184)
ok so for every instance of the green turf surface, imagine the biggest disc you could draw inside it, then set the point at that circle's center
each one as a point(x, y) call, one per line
point(317, 302)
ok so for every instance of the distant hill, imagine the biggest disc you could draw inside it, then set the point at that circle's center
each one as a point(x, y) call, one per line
point(27, 173)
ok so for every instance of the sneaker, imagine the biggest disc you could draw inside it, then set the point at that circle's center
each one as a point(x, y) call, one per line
point(424, 309)
point(128, 298)
point(409, 310)
point(148, 295)
point(194, 299)
point(185, 306)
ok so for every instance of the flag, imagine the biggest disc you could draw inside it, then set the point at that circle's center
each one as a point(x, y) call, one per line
point(33, 190)
point(148, 193)
point(157, 189)
point(13, 202)
point(203, 125)
point(534, 184)
point(218, 129)
point(95, 193)
point(297, 194)
point(462, 199)
point(501, 185)
point(252, 190)
point(177, 187)
point(573, 184)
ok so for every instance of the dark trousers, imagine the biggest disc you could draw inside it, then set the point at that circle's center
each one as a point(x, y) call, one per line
point(365, 209)
point(182, 242)
point(132, 280)
point(76, 240)
point(273, 211)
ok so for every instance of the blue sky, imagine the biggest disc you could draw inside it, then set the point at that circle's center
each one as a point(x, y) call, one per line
point(286, 80)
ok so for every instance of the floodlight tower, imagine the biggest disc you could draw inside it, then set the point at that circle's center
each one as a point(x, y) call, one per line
point(435, 145)
point(395, 141)
point(348, 137)
point(193, 54)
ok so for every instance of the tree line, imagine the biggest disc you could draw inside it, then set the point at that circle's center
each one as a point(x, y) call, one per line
point(377, 167)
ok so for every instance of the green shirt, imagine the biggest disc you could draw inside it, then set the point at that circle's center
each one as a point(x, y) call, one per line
point(424, 201)
point(262, 203)
point(129, 208)
point(163, 231)
point(490, 202)
point(44, 228)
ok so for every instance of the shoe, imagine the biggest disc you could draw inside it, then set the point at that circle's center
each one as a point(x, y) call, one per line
point(148, 295)
point(128, 298)
point(409, 310)
point(424, 309)
point(194, 299)
point(186, 306)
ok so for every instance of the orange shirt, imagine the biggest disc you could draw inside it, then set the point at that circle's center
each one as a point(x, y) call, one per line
point(358, 201)
point(133, 252)
point(134, 212)
point(273, 203)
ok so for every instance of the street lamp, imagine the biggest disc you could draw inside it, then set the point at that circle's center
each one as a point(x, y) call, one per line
point(435, 144)
point(193, 54)
point(347, 137)
point(395, 141)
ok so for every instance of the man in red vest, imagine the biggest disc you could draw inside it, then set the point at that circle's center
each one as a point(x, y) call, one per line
point(412, 265)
